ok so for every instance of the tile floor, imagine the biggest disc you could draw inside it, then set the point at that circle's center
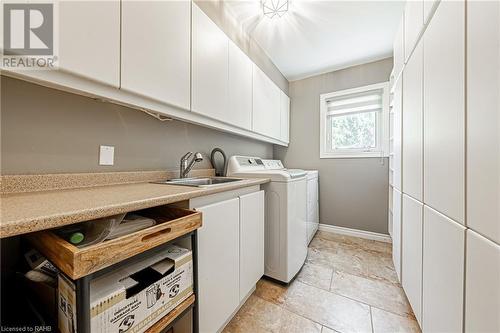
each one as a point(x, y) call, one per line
point(348, 284)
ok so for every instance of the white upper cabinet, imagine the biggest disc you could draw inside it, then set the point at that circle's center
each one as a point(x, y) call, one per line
point(443, 273)
point(412, 125)
point(483, 118)
point(414, 23)
point(397, 133)
point(399, 49)
point(482, 294)
point(444, 111)
point(285, 117)
point(396, 231)
point(266, 105)
point(210, 67)
point(156, 50)
point(89, 40)
point(239, 112)
point(411, 253)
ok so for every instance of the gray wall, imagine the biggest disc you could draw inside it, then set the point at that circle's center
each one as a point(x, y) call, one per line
point(219, 13)
point(353, 192)
point(48, 131)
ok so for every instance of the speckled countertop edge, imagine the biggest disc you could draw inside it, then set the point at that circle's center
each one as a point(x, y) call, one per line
point(23, 213)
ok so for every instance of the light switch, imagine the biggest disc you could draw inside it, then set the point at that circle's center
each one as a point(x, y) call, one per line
point(106, 155)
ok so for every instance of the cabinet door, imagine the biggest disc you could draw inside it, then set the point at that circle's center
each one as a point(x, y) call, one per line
point(443, 273)
point(397, 134)
point(483, 117)
point(285, 117)
point(411, 253)
point(482, 292)
point(89, 39)
point(396, 231)
point(444, 110)
point(266, 105)
point(240, 88)
point(218, 264)
point(251, 241)
point(399, 50)
point(210, 67)
point(414, 23)
point(156, 50)
point(412, 125)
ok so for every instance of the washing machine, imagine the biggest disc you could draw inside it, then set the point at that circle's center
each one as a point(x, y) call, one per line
point(286, 213)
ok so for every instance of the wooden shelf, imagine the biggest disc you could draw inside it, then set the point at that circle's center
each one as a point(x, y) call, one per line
point(164, 322)
point(172, 222)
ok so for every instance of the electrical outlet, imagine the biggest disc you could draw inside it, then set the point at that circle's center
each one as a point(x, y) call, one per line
point(106, 155)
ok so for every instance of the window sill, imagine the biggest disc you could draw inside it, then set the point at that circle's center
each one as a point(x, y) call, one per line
point(374, 154)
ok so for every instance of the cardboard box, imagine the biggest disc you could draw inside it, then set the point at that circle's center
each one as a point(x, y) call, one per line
point(132, 298)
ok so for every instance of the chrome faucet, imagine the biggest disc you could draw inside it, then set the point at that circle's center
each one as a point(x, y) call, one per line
point(185, 166)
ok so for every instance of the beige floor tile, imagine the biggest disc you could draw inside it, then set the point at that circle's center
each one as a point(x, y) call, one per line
point(260, 316)
point(329, 309)
point(385, 322)
point(373, 265)
point(384, 295)
point(366, 244)
point(321, 257)
point(317, 276)
point(325, 329)
point(271, 291)
point(322, 243)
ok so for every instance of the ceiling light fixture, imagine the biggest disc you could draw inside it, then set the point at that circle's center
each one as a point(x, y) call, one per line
point(275, 8)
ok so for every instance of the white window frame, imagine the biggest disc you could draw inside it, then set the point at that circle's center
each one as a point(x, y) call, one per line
point(382, 149)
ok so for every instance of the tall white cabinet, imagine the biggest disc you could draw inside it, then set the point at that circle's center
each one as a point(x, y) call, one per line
point(448, 246)
point(444, 110)
point(411, 253)
point(161, 30)
point(483, 118)
point(396, 230)
point(482, 292)
point(413, 125)
point(443, 273)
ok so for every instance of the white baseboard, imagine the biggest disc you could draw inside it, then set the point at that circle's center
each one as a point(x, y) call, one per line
point(355, 233)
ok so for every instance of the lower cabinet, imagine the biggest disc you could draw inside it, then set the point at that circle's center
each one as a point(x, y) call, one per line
point(231, 253)
point(443, 273)
point(482, 292)
point(396, 231)
point(218, 264)
point(411, 253)
point(251, 241)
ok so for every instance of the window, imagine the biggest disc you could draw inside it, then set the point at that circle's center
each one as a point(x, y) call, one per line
point(355, 122)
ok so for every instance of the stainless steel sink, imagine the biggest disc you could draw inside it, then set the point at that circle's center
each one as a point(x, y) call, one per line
point(200, 182)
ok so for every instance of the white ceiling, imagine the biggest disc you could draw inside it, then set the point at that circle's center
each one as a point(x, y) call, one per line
point(316, 37)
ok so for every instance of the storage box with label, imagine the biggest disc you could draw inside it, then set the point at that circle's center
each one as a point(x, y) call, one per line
point(133, 297)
